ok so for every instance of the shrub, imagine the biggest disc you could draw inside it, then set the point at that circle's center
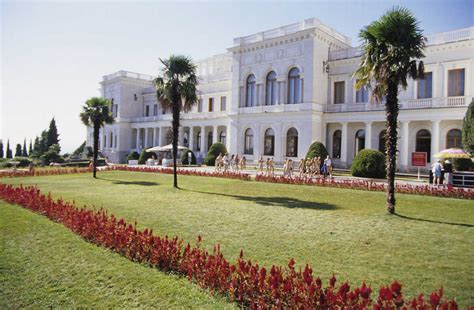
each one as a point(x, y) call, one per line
point(23, 161)
point(214, 151)
point(144, 155)
point(133, 156)
point(468, 129)
point(369, 164)
point(462, 164)
point(185, 157)
point(317, 149)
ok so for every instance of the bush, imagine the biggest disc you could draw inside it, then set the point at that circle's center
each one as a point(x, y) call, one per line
point(369, 164)
point(133, 156)
point(185, 157)
point(214, 151)
point(23, 161)
point(144, 155)
point(462, 164)
point(317, 149)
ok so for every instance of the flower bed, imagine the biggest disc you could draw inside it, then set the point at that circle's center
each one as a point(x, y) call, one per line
point(42, 172)
point(244, 282)
point(449, 191)
point(216, 174)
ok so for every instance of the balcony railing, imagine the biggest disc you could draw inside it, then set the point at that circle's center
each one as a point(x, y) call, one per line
point(429, 103)
point(282, 108)
point(168, 117)
point(128, 74)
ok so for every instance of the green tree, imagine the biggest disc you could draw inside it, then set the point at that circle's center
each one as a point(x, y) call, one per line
point(30, 150)
point(176, 90)
point(18, 150)
point(43, 143)
point(96, 113)
point(24, 151)
point(1, 149)
point(80, 149)
point(36, 148)
point(53, 136)
point(9, 151)
point(52, 155)
point(391, 47)
point(468, 129)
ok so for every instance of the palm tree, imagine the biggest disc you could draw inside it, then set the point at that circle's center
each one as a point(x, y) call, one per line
point(391, 47)
point(176, 91)
point(96, 113)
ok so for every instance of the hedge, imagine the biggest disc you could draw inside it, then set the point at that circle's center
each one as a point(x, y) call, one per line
point(214, 151)
point(185, 157)
point(317, 149)
point(369, 164)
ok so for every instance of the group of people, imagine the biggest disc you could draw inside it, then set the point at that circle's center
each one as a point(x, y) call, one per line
point(308, 167)
point(235, 163)
point(438, 170)
point(268, 165)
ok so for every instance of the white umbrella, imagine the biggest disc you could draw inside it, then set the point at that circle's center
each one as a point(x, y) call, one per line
point(164, 148)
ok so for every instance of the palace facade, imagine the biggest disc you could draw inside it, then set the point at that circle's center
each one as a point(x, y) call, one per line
point(275, 92)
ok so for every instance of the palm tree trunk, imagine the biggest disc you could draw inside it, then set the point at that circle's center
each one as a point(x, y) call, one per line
point(391, 111)
point(96, 149)
point(175, 142)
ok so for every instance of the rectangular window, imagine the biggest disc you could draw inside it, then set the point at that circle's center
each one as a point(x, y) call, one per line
point(211, 104)
point(115, 141)
point(200, 105)
point(223, 103)
point(425, 86)
point(147, 110)
point(105, 142)
point(339, 92)
point(362, 95)
point(155, 110)
point(456, 82)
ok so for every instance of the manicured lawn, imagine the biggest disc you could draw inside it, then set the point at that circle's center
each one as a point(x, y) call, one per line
point(342, 231)
point(42, 265)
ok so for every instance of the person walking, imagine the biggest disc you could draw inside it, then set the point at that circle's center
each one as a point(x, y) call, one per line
point(226, 162)
point(328, 163)
point(261, 162)
point(437, 168)
point(448, 173)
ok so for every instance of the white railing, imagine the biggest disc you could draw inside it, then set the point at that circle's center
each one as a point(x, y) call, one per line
point(434, 39)
point(282, 108)
point(133, 75)
point(429, 103)
point(289, 29)
point(168, 117)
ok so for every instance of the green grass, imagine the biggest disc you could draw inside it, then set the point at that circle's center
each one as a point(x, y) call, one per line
point(43, 264)
point(342, 231)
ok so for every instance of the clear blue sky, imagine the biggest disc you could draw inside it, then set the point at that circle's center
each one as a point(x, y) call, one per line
point(53, 54)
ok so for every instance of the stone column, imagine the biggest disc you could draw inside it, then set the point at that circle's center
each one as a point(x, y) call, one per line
point(227, 138)
point(138, 138)
point(191, 138)
point(145, 143)
point(203, 139)
point(277, 92)
point(368, 135)
point(344, 144)
point(155, 136)
point(160, 136)
point(434, 138)
point(405, 139)
point(214, 134)
point(180, 135)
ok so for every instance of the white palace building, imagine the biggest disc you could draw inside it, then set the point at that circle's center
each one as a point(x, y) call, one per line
point(275, 92)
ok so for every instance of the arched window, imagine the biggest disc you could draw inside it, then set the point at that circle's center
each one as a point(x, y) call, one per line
point(359, 141)
point(292, 142)
point(222, 137)
point(336, 144)
point(271, 93)
point(251, 91)
point(209, 140)
point(248, 142)
point(185, 139)
point(169, 137)
point(198, 141)
point(294, 86)
point(111, 141)
point(454, 139)
point(423, 143)
point(382, 140)
point(269, 142)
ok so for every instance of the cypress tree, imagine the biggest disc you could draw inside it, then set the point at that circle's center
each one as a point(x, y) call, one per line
point(468, 129)
point(18, 150)
point(1, 149)
point(9, 151)
point(36, 147)
point(24, 152)
point(30, 151)
point(52, 137)
point(43, 143)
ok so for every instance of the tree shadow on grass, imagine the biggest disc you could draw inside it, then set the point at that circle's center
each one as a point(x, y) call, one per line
point(121, 182)
point(432, 221)
point(287, 202)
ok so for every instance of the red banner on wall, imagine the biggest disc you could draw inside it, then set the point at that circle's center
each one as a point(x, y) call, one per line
point(418, 159)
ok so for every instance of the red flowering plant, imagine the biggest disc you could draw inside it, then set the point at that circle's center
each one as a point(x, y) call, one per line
point(243, 282)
